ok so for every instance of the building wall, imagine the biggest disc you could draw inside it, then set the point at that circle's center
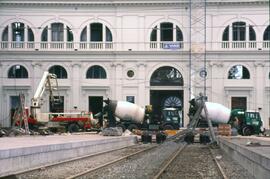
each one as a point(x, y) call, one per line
point(131, 23)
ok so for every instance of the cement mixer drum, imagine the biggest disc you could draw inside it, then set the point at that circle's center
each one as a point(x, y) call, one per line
point(217, 112)
point(129, 111)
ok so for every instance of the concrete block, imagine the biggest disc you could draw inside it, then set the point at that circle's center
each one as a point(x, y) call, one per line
point(15, 159)
point(253, 159)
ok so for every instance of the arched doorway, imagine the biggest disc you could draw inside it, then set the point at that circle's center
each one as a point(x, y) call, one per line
point(166, 91)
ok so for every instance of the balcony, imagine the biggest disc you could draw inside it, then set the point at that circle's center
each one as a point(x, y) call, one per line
point(132, 46)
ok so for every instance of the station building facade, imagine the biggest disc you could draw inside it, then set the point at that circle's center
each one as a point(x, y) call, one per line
point(137, 51)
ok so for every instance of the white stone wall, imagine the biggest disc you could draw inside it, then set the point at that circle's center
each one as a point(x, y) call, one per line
point(131, 23)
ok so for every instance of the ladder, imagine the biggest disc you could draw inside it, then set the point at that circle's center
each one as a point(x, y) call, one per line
point(24, 116)
point(20, 114)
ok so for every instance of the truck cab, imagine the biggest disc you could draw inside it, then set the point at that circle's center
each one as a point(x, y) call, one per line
point(171, 118)
point(247, 122)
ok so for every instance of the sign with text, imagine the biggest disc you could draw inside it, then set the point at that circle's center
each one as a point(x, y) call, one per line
point(172, 46)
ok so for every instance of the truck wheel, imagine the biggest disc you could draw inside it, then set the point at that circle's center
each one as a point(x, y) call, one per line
point(167, 127)
point(132, 126)
point(73, 127)
point(122, 126)
point(247, 131)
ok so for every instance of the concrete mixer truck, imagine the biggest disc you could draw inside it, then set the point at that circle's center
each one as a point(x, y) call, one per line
point(246, 122)
point(132, 116)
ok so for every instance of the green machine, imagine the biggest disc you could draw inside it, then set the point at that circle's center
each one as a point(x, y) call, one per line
point(246, 122)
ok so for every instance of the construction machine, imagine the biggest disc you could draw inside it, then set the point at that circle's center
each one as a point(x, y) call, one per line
point(246, 122)
point(131, 116)
point(71, 122)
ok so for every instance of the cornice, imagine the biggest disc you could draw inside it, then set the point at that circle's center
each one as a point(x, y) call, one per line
point(119, 2)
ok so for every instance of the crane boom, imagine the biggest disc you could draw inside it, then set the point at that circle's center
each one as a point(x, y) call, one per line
point(48, 81)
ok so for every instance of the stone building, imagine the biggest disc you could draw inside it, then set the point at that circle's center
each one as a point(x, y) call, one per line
point(135, 50)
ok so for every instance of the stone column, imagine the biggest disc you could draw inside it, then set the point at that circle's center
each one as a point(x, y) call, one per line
point(119, 80)
point(230, 36)
point(49, 35)
point(37, 75)
point(141, 84)
point(65, 36)
point(75, 86)
point(158, 36)
point(103, 36)
point(217, 83)
point(88, 37)
point(10, 35)
point(259, 83)
point(26, 36)
point(1, 96)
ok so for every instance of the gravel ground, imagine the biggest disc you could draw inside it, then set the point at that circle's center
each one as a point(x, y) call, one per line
point(198, 163)
point(142, 166)
point(232, 169)
point(195, 161)
point(71, 168)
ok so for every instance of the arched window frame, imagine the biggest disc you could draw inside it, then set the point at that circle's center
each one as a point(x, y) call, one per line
point(238, 31)
point(19, 32)
point(166, 76)
point(59, 71)
point(243, 75)
point(57, 32)
point(266, 34)
point(96, 72)
point(166, 31)
point(17, 71)
point(96, 32)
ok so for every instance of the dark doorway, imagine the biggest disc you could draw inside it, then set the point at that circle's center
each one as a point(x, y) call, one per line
point(57, 106)
point(239, 103)
point(160, 99)
point(14, 104)
point(95, 104)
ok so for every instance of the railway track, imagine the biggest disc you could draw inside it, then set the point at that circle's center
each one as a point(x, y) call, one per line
point(192, 161)
point(172, 159)
point(69, 168)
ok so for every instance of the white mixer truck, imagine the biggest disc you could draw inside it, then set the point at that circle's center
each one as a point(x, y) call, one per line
point(246, 122)
point(132, 116)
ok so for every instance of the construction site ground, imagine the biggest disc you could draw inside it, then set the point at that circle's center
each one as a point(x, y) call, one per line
point(24, 152)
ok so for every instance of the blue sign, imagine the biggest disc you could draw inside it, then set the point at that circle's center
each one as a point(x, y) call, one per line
point(171, 46)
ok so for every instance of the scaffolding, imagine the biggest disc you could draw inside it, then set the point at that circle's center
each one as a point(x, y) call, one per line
point(197, 50)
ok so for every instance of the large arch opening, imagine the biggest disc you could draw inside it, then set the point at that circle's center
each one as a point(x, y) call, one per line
point(166, 92)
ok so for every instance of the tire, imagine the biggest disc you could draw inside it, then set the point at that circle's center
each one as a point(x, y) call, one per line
point(132, 126)
point(247, 131)
point(73, 127)
point(168, 127)
point(122, 126)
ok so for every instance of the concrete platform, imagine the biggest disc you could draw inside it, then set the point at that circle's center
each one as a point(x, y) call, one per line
point(25, 152)
point(254, 158)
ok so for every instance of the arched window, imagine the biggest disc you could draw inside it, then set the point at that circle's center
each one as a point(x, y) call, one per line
point(166, 32)
point(59, 71)
point(96, 32)
point(238, 72)
point(238, 32)
point(19, 33)
point(166, 35)
point(17, 71)
point(96, 72)
point(266, 34)
point(166, 76)
point(58, 32)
